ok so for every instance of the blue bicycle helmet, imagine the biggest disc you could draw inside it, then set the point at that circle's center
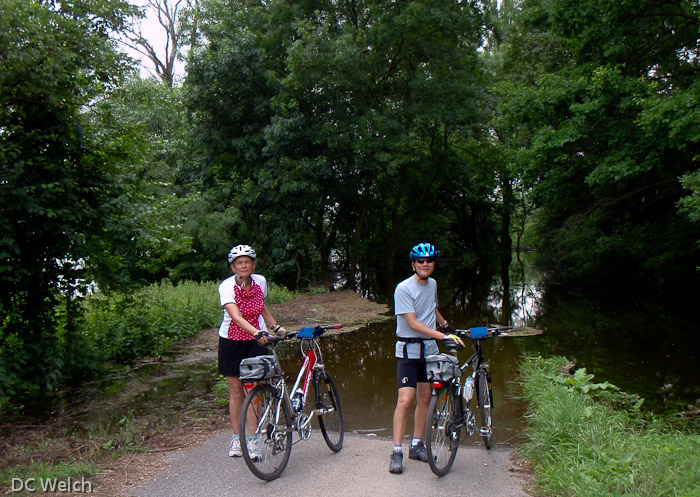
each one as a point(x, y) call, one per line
point(423, 250)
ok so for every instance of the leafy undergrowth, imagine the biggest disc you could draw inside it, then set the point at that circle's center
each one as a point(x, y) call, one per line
point(589, 439)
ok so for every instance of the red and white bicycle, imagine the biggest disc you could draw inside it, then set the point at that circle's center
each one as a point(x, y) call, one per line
point(270, 415)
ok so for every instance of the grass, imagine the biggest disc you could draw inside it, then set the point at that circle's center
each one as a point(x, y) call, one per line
point(589, 439)
point(60, 451)
point(151, 320)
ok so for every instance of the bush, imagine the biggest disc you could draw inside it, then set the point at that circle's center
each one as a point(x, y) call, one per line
point(582, 443)
point(149, 321)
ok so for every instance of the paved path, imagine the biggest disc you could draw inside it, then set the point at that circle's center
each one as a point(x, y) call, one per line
point(359, 469)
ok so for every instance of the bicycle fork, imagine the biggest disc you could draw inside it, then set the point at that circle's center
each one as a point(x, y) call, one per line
point(486, 431)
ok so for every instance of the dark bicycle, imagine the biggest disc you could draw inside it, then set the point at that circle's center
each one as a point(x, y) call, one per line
point(449, 409)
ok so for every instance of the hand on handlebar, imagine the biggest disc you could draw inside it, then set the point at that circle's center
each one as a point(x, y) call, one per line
point(448, 329)
point(452, 342)
point(279, 331)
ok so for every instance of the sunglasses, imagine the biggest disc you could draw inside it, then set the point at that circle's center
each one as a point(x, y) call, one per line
point(423, 261)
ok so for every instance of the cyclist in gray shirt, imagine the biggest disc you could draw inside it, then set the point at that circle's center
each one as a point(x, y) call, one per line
point(415, 306)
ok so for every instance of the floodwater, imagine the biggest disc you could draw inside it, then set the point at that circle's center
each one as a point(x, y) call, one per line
point(647, 348)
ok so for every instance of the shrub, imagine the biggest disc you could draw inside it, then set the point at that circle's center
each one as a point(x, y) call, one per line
point(582, 443)
point(149, 321)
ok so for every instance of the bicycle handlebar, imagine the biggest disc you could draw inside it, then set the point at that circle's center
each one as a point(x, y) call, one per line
point(308, 333)
point(490, 332)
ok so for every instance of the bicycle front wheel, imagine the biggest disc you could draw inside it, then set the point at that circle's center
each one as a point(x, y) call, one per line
point(266, 432)
point(443, 430)
point(485, 403)
point(330, 417)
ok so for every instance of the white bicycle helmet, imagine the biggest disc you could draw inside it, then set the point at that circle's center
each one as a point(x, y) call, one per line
point(240, 250)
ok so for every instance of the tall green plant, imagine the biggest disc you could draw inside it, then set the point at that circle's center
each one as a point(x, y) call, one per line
point(148, 322)
point(586, 439)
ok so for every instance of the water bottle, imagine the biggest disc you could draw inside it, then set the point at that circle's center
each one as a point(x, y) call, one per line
point(468, 388)
point(298, 400)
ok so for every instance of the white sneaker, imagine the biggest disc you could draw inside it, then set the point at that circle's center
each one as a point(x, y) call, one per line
point(254, 449)
point(234, 449)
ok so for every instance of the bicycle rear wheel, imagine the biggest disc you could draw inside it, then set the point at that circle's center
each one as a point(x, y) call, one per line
point(267, 418)
point(330, 418)
point(443, 430)
point(485, 404)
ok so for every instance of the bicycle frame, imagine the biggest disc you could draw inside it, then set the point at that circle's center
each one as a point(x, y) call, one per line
point(476, 362)
point(449, 410)
point(313, 361)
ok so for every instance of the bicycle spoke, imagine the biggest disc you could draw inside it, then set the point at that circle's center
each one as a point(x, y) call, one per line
point(266, 428)
point(330, 412)
point(443, 431)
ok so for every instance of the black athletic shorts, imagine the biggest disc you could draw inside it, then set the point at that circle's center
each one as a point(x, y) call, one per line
point(411, 372)
point(232, 352)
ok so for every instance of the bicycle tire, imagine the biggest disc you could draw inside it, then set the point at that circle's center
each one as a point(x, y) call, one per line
point(268, 418)
point(443, 430)
point(331, 418)
point(485, 404)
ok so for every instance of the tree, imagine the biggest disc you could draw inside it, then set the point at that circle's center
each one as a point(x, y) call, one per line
point(56, 58)
point(144, 233)
point(604, 103)
point(347, 115)
point(169, 14)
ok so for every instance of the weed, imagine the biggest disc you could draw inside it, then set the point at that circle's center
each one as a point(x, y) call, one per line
point(589, 439)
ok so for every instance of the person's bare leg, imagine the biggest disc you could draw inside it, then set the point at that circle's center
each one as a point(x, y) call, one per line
point(423, 394)
point(236, 394)
point(403, 407)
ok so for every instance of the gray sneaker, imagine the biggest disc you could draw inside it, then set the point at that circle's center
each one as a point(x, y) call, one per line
point(234, 450)
point(396, 466)
point(254, 449)
point(418, 452)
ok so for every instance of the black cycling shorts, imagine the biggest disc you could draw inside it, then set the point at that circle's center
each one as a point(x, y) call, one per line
point(232, 352)
point(410, 372)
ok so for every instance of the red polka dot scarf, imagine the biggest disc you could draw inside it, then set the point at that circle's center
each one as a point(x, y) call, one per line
point(250, 304)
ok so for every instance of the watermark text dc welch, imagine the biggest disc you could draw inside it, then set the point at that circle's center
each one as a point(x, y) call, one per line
point(68, 485)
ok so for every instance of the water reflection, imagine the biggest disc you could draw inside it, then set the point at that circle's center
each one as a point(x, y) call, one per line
point(646, 344)
point(364, 368)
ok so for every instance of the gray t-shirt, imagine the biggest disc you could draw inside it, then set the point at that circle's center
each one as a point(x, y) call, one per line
point(411, 296)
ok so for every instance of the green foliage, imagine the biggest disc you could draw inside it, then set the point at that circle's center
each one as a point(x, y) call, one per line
point(115, 327)
point(602, 114)
point(145, 232)
point(350, 116)
point(277, 294)
point(149, 321)
point(56, 59)
point(220, 391)
point(581, 446)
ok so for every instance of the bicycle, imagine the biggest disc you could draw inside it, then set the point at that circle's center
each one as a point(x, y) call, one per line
point(449, 409)
point(271, 416)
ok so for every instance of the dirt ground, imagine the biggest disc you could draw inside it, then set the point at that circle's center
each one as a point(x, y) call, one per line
point(344, 307)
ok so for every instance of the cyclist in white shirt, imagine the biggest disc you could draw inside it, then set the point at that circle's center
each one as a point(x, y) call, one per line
point(242, 330)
